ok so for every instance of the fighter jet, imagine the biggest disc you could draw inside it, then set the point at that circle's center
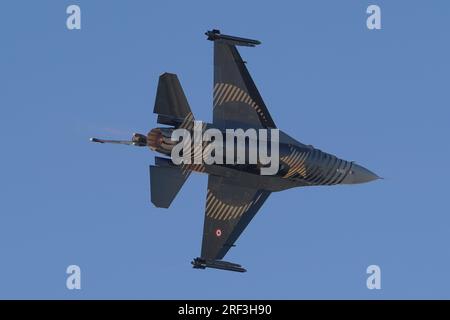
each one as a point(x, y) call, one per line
point(236, 190)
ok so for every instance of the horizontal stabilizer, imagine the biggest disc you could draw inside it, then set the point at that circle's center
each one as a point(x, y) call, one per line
point(164, 162)
point(199, 263)
point(169, 120)
point(170, 99)
point(165, 182)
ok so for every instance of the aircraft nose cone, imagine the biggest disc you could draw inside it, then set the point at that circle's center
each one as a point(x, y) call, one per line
point(359, 174)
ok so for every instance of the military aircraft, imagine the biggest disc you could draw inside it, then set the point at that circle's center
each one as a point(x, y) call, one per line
point(235, 191)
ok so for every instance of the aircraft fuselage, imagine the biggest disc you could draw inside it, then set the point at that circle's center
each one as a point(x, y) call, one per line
point(299, 164)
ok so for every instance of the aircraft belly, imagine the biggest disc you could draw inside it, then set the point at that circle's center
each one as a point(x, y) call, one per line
point(242, 178)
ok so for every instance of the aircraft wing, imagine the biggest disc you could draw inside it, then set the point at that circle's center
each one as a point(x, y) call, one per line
point(229, 209)
point(235, 97)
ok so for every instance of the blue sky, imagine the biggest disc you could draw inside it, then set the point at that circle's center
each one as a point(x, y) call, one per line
point(377, 97)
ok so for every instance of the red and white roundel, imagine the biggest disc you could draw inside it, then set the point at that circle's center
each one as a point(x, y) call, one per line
point(218, 232)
